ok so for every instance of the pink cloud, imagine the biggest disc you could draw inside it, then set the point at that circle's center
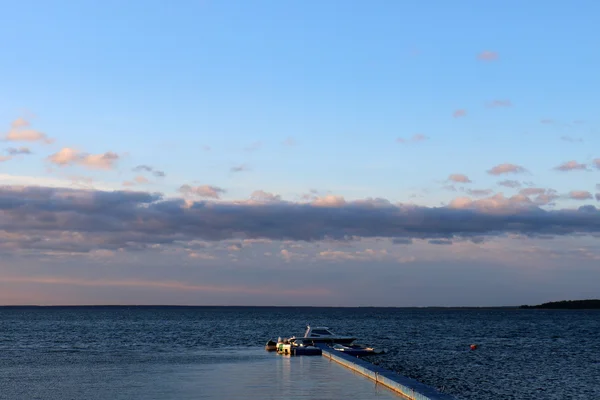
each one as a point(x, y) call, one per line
point(141, 179)
point(597, 162)
point(571, 166)
point(491, 204)
point(19, 132)
point(460, 178)
point(580, 195)
point(506, 168)
point(487, 56)
point(459, 113)
point(206, 191)
point(69, 156)
point(329, 201)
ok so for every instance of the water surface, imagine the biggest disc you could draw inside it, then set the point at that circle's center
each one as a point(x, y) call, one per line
point(170, 352)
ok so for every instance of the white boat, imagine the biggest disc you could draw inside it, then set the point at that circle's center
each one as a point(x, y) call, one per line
point(322, 334)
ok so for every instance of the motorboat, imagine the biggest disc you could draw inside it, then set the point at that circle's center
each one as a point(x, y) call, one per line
point(357, 350)
point(322, 334)
point(313, 341)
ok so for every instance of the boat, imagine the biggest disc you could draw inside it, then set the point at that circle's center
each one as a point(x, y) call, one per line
point(313, 341)
point(297, 347)
point(322, 334)
point(271, 345)
point(357, 350)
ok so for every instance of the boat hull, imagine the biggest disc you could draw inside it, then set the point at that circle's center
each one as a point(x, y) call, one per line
point(340, 340)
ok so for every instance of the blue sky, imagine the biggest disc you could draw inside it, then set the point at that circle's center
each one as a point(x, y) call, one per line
point(299, 96)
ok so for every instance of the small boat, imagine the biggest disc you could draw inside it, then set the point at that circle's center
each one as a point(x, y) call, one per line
point(357, 350)
point(297, 347)
point(322, 334)
point(271, 345)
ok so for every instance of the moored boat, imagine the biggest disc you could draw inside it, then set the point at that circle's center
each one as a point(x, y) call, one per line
point(322, 334)
point(271, 345)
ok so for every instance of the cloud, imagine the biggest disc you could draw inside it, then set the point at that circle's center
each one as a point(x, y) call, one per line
point(329, 201)
point(571, 166)
point(459, 113)
point(506, 168)
point(147, 168)
point(580, 195)
point(598, 186)
point(440, 241)
point(5, 158)
point(141, 179)
point(365, 255)
point(419, 137)
point(597, 196)
point(18, 151)
point(84, 220)
point(532, 191)
point(253, 146)
point(167, 285)
point(499, 103)
point(289, 141)
point(571, 139)
point(540, 196)
point(479, 192)
point(19, 123)
point(596, 163)
point(69, 156)
point(460, 178)
point(451, 188)
point(547, 121)
point(265, 197)
point(206, 191)
point(239, 168)
point(487, 56)
point(402, 241)
point(510, 183)
point(19, 132)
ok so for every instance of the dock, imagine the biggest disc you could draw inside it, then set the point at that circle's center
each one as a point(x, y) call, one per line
point(406, 387)
point(240, 374)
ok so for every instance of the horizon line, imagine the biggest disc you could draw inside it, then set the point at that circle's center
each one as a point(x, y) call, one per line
point(236, 306)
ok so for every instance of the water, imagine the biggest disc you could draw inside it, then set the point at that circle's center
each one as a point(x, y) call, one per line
point(166, 352)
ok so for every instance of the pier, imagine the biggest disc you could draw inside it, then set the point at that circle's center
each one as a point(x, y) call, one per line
point(247, 374)
point(406, 387)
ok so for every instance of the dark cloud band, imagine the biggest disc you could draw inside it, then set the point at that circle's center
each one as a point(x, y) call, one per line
point(136, 219)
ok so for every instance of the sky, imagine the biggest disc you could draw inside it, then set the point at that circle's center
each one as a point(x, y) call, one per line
point(319, 153)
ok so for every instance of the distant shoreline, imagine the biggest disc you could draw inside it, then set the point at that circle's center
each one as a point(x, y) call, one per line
point(557, 305)
point(590, 304)
point(252, 306)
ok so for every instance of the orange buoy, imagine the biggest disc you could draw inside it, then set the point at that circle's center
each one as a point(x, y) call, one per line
point(473, 346)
